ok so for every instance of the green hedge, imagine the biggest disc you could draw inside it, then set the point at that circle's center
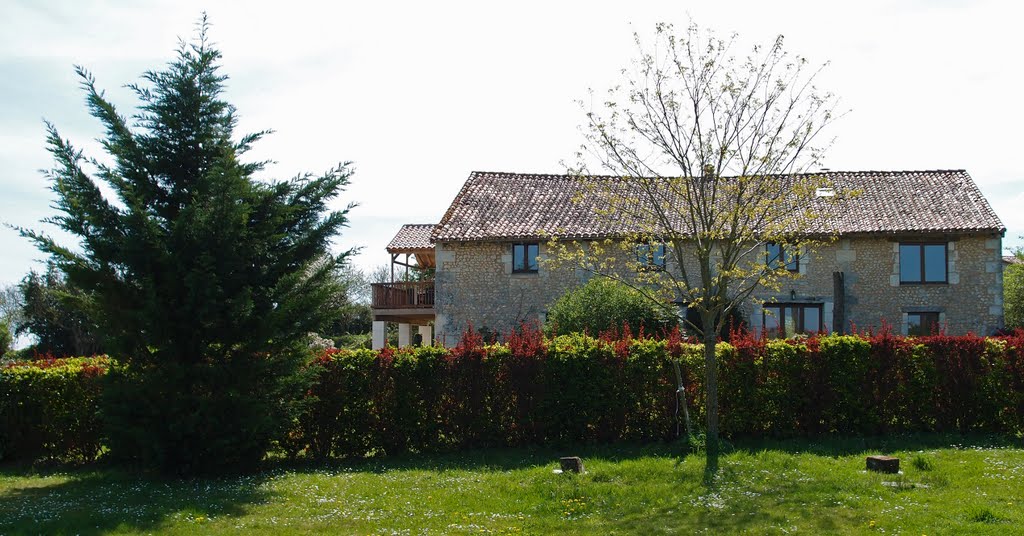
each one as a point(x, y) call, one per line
point(578, 389)
point(49, 408)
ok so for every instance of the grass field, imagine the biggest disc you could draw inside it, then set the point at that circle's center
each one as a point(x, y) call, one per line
point(949, 485)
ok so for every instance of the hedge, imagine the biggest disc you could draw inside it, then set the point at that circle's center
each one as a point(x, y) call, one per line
point(49, 408)
point(575, 388)
point(534, 390)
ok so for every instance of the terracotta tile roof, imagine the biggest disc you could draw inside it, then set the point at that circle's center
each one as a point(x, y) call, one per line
point(510, 206)
point(412, 237)
point(1012, 259)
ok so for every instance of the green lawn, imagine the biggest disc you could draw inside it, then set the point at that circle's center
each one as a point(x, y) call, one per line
point(950, 485)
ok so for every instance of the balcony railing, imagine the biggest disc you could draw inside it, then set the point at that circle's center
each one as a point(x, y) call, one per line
point(408, 295)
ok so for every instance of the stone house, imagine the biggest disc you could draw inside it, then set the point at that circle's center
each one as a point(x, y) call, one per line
point(917, 250)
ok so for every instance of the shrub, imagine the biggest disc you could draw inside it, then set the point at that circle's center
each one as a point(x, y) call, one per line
point(604, 304)
point(1013, 292)
point(533, 390)
point(6, 339)
point(576, 388)
point(49, 408)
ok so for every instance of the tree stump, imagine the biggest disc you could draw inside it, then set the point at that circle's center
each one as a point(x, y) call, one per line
point(571, 464)
point(884, 464)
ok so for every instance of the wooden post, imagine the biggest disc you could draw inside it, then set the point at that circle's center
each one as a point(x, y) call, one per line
point(839, 304)
point(571, 464)
point(884, 464)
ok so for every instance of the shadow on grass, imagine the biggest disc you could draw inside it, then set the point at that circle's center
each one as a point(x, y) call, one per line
point(98, 499)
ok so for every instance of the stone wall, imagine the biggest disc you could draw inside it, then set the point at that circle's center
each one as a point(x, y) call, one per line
point(971, 301)
point(475, 284)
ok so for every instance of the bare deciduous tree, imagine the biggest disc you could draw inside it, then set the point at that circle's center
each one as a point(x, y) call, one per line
point(709, 155)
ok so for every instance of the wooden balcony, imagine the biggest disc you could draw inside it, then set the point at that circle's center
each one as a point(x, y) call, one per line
point(404, 295)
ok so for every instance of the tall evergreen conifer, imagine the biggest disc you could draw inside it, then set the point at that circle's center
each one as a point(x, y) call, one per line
point(206, 280)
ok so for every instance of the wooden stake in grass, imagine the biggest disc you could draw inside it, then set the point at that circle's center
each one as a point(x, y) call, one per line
point(571, 464)
point(884, 464)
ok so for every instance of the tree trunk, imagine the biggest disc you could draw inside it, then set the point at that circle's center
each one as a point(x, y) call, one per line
point(711, 391)
point(681, 400)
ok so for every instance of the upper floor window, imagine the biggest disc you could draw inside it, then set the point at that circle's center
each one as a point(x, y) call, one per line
point(922, 324)
point(524, 257)
point(651, 256)
point(780, 256)
point(922, 263)
point(788, 319)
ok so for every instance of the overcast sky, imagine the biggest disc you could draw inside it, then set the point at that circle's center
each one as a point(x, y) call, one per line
point(418, 94)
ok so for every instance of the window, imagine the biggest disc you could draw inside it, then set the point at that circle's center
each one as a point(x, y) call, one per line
point(524, 257)
point(779, 256)
point(651, 256)
point(788, 319)
point(922, 263)
point(921, 324)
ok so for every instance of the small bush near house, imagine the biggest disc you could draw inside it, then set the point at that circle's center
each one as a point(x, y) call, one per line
point(604, 304)
point(49, 408)
point(1013, 292)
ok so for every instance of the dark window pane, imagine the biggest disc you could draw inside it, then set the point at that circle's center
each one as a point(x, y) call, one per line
point(778, 256)
point(935, 263)
point(659, 256)
point(771, 319)
point(921, 324)
point(791, 320)
point(910, 263)
point(914, 324)
point(524, 257)
point(642, 253)
point(930, 323)
point(792, 261)
point(774, 254)
point(518, 257)
point(812, 319)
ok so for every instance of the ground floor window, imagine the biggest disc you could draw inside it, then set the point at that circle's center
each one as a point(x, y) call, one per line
point(788, 319)
point(921, 324)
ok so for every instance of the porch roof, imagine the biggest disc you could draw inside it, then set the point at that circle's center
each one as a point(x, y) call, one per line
point(412, 238)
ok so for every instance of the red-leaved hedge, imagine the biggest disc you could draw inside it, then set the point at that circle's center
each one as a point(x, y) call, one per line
point(575, 388)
